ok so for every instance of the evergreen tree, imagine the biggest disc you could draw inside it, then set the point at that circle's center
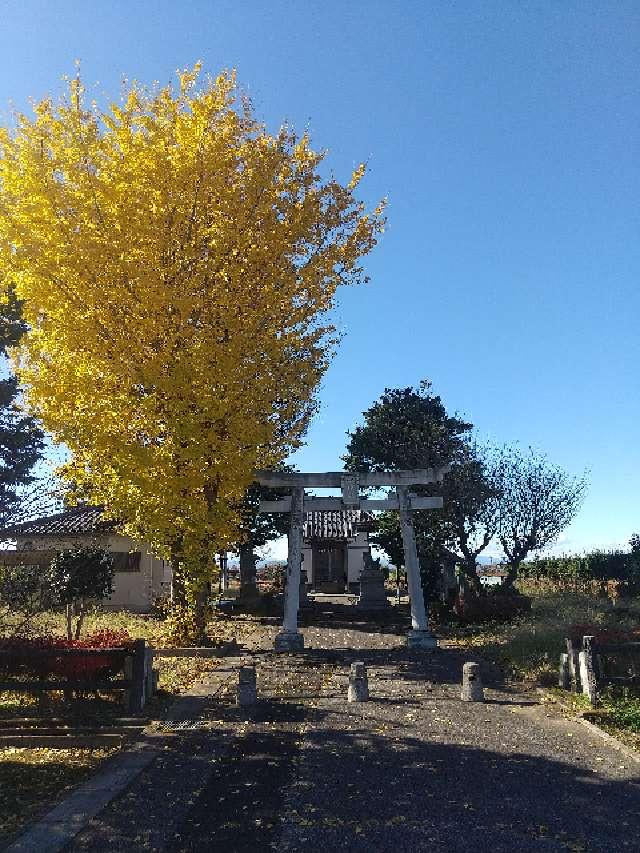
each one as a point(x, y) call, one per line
point(258, 529)
point(21, 438)
point(410, 428)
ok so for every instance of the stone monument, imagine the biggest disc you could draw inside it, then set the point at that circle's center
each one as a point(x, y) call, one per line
point(373, 595)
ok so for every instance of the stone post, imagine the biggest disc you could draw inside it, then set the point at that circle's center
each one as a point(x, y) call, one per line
point(358, 683)
point(224, 572)
point(419, 636)
point(290, 639)
point(303, 597)
point(574, 668)
point(564, 676)
point(247, 690)
point(472, 683)
point(587, 671)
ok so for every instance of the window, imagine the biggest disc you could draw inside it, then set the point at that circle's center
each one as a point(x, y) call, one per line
point(126, 561)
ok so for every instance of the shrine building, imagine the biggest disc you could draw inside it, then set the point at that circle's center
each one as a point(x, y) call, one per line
point(334, 545)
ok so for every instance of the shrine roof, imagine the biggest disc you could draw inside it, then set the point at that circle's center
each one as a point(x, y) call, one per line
point(76, 521)
point(334, 524)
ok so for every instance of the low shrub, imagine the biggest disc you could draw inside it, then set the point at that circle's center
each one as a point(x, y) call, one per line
point(624, 710)
point(490, 606)
point(31, 656)
point(602, 634)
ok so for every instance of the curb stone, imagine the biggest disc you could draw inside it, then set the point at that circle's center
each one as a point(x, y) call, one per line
point(53, 832)
point(593, 728)
point(611, 740)
point(56, 829)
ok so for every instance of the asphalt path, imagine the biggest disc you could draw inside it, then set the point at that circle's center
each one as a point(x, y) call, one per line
point(413, 769)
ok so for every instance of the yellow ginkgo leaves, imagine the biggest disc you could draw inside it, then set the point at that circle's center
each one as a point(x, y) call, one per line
point(177, 263)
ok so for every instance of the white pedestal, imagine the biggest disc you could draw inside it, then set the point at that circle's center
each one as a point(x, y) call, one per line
point(289, 641)
point(417, 639)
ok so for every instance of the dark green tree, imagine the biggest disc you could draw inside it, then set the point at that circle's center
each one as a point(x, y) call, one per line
point(458, 533)
point(469, 519)
point(410, 428)
point(258, 529)
point(78, 576)
point(21, 438)
point(406, 428)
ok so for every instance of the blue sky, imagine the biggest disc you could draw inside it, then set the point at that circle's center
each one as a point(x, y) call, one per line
point(506, 137)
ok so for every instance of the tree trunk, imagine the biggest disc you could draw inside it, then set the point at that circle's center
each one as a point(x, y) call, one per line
point(512, 575)
point(200, 615)
point(470, 573)
point(248, 587)
point(178, 591)
point(69, 615)
point(81, 612)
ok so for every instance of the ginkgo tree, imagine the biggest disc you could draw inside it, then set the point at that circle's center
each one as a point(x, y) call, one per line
point(177, 264)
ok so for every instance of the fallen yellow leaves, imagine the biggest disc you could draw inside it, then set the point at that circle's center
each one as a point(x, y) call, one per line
point(31, 779)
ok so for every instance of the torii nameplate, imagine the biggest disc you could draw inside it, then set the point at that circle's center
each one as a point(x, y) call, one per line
point(335, 479)
point(336, 504)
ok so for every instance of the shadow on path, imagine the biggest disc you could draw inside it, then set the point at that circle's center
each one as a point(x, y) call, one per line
point(362, 792)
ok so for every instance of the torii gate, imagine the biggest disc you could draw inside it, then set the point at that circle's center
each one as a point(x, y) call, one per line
point(290, 639)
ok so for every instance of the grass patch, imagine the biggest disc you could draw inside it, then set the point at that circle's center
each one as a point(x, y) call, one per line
point(528, 649)
point(619, 715)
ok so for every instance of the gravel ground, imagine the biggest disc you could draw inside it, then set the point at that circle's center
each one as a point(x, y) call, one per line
point(414, 769)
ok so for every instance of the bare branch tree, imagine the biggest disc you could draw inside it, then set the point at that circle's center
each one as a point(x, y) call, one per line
point(537, 501)
point(471, 493)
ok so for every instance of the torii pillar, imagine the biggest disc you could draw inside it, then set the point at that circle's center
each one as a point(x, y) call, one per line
point(419, 636)
point(290, 639)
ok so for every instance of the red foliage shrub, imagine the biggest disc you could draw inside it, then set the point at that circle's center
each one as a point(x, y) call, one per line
point(32, 656)
point(492, 606)
point(602, 634)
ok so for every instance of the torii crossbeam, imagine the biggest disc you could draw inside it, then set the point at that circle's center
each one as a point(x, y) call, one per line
point(350, 483)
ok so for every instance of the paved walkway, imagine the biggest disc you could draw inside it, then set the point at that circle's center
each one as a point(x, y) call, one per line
point(414, 769)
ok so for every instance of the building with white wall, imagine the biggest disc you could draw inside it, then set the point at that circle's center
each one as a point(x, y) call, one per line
point(334, 547)
point(140, 577)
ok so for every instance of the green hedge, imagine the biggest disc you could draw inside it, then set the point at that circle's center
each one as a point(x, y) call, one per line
point(596, 565)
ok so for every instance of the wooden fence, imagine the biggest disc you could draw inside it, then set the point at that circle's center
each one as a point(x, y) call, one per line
point(136, 664)
point(596, 665)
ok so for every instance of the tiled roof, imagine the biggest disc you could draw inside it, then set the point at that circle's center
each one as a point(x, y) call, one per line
point(335, 524)
point(77, 521)
point(84, 520)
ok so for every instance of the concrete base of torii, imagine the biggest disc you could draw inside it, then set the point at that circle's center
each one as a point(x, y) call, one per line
point(288, 641)
point(417, 639)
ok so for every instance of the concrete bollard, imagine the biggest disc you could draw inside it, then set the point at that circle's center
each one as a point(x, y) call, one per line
point(358, 683)
point(247, 690)
point(472, 683)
